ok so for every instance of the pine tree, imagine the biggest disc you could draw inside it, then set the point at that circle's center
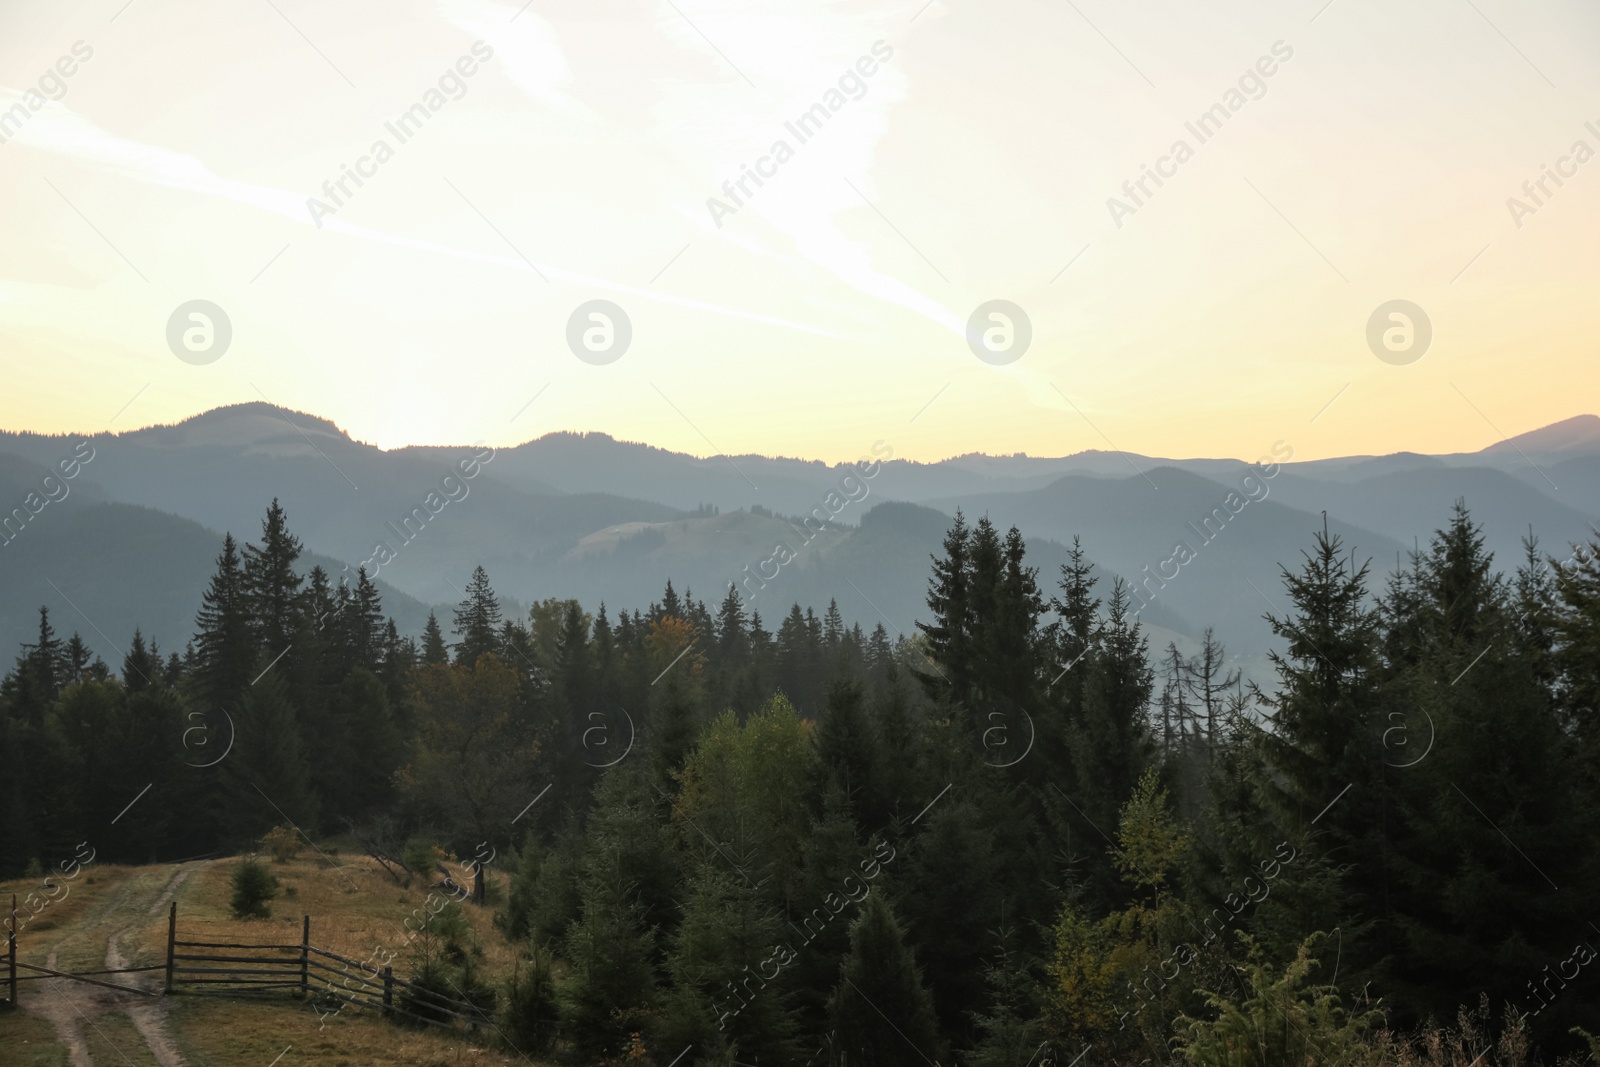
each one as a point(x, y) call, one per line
point(1008, 641)
point(1009, 1032)
point(955, 885)
point(574, 667)
point(611, 987)
point(880, 1012)
point(360, 744)
point(1470, 912)
point(670, 605)
point(399, 660)
point(477, 620)
point(268, 778)
point(1577, 649)
point(949, 599)
point(46, 662)
point(434, 652)
point(729, 990)
point(847, 751)
point(879, 656)
point(142, 666)
point(792, 657)
point(270, 585)
point(75, 659)
point(225, 652)
point(1322, 746)
point(832, 629)
point(1110, 744)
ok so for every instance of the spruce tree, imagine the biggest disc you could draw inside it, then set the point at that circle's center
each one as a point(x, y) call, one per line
point(954, 886)
point(847, 752)
point(225, 651)
point(1110, 744)
point(477, 620)
point(1314, 776)
point(880, 1012)
point(727, 966)
point(42, 670)
point(1009, 1031)
point(948, 635)
point(75, 659)
point(1489, 819)
point(610, 988)
point(142, 666)
point(434, 652)
point(365, 627)
point(1577, 650)
point(269, 782)
point(270, 585)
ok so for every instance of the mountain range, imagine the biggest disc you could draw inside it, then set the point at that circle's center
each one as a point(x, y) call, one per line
point(132, 537)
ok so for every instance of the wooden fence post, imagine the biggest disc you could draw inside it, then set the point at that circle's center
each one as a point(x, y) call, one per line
point(388, 988)
point(305, 956)
point(172, 941)
point(11, 950)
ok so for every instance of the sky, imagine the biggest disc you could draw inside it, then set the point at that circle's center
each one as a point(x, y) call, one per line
point(559, 153)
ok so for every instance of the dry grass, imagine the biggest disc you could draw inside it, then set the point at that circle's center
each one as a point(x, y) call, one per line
point(29, 1041)
point(355, 908)
point(74, 899)
point(112, 1039)
point(225, 1031)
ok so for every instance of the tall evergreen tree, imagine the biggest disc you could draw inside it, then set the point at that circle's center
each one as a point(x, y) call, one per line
point(948, 635)
point(268, 778)
point(1488, 820)
point(434, 652)
point(847, 752)
point(225, 651)
point(1320, 749)
point(270, 584)
point(881, 1013)
point(477, 620)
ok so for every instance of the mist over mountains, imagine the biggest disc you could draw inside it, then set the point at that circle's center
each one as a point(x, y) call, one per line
point(131, 538)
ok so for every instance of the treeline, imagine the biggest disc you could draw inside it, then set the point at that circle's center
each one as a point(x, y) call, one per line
point(1019, 833)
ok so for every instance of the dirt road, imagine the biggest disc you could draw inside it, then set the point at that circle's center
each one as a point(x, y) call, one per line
point(74, 1008)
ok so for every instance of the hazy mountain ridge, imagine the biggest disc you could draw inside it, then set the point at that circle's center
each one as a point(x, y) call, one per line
point(589, 516)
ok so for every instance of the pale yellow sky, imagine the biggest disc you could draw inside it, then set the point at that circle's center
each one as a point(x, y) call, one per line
point(974, 163)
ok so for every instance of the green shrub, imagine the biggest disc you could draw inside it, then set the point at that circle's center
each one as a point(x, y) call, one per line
point(420, 855)
point(1285, 1021)
point(253, 887)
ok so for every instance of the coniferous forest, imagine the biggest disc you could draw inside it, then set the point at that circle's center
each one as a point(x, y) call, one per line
point(1018, 835)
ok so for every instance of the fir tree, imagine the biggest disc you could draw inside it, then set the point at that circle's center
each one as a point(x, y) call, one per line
point(142, 665)
point(611, 986)
point(847, 751)
point(270, 585)
point(949, 599)
point(477, 620)
point(1322, 746)
point(225, 652)
point(880, 1012)
point(267, 772)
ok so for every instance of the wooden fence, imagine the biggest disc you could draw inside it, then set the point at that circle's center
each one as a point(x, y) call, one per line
point(252, 969)
point(43, 974)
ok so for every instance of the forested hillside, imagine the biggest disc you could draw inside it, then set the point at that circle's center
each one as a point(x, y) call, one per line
point(1022, 835)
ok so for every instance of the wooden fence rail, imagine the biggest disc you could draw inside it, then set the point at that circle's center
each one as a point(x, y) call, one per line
point(243, 969)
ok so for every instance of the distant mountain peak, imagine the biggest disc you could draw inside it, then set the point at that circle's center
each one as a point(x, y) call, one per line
point(1581, 433)
point(252, 423)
